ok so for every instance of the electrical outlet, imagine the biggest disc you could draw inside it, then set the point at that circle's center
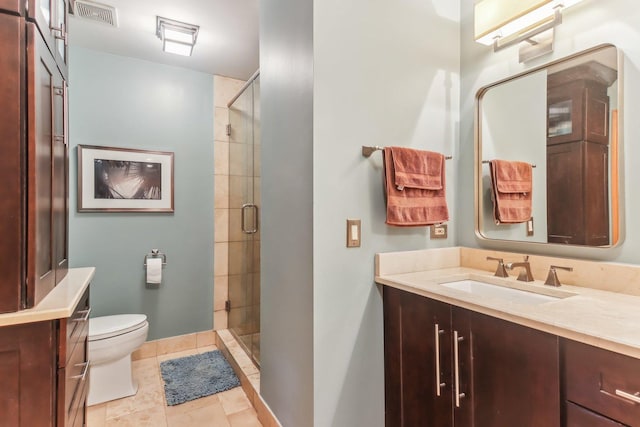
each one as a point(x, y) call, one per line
point(439, 231)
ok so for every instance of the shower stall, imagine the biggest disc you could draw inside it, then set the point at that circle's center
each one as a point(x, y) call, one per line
point(244, 225)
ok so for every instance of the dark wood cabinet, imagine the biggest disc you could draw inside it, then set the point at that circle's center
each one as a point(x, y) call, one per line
point(34, 166)
point(578, 155)
point(488, 372)
point(43, 366)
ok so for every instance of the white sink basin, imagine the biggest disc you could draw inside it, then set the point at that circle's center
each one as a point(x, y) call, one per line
point(510, 294)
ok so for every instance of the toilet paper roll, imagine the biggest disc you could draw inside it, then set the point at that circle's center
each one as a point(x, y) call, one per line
point(154, 270)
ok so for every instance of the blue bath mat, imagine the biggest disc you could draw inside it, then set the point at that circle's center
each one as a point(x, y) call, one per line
point(193, 377)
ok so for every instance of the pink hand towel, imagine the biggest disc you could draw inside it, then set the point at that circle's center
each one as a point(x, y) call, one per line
point(511, 185)
point(414, 204)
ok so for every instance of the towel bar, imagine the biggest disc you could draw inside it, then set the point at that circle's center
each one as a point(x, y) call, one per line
point(367, 151)
point(486, 162)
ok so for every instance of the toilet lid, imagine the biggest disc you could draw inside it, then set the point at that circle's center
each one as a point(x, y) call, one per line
point(110, 326)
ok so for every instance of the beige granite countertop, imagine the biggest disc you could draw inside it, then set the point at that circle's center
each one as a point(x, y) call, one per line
point(608, 320)
point(59, 303)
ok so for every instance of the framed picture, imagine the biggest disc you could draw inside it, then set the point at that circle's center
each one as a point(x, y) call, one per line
point(114, 179)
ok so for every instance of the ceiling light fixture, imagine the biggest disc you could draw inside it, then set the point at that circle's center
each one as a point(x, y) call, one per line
point(177, 37)
point(503, 23)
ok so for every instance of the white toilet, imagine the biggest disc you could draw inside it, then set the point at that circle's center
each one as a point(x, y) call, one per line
point(112, 339)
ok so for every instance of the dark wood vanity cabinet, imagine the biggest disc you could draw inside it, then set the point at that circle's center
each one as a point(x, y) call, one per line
point(34, 164)
point(578, 155)
point(448, 366)
point(44, 371)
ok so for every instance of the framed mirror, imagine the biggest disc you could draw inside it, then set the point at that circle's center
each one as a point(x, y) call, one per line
point(548, 151)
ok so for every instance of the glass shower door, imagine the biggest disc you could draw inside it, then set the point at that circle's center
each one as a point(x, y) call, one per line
point(244, 230)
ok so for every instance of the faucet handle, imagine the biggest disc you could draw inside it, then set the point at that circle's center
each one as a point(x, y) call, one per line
point(500, 270)
point(552, 277)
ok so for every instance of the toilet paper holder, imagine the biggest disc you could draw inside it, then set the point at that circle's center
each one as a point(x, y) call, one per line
point(155, 253)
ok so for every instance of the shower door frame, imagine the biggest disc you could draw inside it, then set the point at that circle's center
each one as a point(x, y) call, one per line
point(243, 305)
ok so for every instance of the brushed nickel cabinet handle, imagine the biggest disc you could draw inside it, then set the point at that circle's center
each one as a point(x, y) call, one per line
point(62, 92)
point(83, 375)
point(439, 384)
point(635, 398)
point(84, 317)
point(456, 366)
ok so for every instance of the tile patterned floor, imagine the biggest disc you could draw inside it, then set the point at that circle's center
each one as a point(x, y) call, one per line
point(231, 408)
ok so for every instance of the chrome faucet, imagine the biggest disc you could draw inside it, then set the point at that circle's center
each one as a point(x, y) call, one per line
point(552, 277)
point(500, 271)
point(525, 274)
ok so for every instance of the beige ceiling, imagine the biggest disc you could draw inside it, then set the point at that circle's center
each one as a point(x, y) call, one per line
point(227, 43)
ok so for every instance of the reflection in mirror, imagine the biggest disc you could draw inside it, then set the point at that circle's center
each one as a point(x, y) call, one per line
point(562, 119)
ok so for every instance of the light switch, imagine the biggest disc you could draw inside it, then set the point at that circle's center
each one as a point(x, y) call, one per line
point(353, 233)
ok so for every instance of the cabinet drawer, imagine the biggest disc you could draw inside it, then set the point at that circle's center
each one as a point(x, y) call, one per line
point(577, 416)
point(77, 326)
point(74, 376)
point(602, 381)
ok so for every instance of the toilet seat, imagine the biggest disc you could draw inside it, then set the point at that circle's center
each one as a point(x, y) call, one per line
point(104, 327)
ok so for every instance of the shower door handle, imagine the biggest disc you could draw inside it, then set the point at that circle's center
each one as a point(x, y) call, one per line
point(255, 218)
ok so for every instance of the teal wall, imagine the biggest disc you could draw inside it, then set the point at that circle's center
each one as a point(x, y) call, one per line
point(125, 102)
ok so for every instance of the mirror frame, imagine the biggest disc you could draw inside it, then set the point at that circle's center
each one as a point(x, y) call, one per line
point(477, 166)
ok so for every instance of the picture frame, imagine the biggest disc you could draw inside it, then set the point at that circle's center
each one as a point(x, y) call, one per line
point(114, 179)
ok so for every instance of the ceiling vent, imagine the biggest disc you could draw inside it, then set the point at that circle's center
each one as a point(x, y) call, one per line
point(95, 12)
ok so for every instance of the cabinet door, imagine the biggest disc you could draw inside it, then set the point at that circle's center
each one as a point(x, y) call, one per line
point(577, 193)
point(42, 83)
point(417, 360)
point(565, 197)
point(51, 17)
point(516, 376)
point(27, 359)
point(60, 19)
point(12, 228)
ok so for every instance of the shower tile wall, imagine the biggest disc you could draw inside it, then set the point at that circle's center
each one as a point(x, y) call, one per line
point(224, 89)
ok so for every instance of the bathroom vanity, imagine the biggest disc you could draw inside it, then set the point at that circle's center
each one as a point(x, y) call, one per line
point(459, 355)
point(43, 357)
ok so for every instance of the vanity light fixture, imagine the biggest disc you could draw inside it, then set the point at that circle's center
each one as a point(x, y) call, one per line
point(503, 23)
point(177, 37)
